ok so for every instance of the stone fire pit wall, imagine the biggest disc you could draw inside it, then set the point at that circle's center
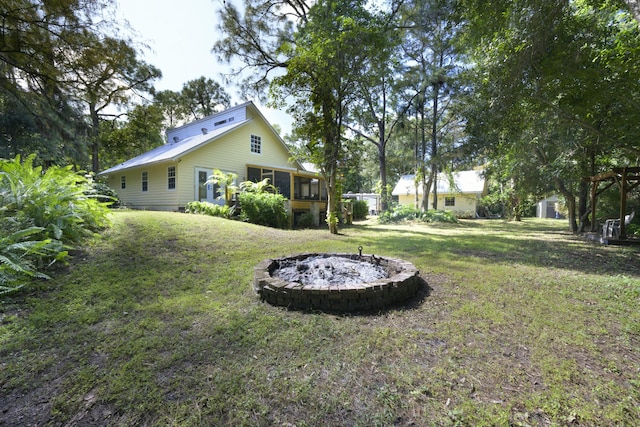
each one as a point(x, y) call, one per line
point(402, 283)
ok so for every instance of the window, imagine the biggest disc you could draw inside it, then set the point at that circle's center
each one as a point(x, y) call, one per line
point(171, 175)
point(256, 144)
point(449, 201)
point(202, 185)
point(145, 181)
point(282, 182)
point(279, 179)
point(123, 182)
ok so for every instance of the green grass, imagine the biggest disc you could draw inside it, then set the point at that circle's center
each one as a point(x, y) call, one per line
point(155, 323)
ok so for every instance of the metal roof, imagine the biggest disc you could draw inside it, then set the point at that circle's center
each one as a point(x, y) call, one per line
point(172, 150)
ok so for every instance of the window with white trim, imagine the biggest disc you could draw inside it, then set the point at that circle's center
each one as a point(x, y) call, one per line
point(256, 144)
point(145, 181)
point(123, 182)
point(449, 201)
point(171, 178)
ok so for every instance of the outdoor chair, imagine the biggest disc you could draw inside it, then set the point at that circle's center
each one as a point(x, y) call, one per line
point(611, 227)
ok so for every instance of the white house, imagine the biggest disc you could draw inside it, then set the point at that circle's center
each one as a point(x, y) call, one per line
point(460, 195)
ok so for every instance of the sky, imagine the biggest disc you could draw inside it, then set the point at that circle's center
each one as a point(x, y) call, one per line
point(180, 35)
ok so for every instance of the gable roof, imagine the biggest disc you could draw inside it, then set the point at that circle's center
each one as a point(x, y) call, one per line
point(172, 151)
point(464, 182)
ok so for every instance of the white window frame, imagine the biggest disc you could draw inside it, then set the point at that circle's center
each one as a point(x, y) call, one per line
point(171, 178)
point(256, 144)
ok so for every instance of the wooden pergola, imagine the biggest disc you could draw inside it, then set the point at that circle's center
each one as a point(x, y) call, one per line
point(627, 179)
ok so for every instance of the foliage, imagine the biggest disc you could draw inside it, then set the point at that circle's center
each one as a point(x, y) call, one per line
point(42, 214)
point(202, 97)
point(360, 209)
point(264, 209)
point(226, 183)
point(105, 194)
point(22, 259)
point(305, 220)
point(123, 140)
point(401, 213)
point(258, 187)
point(211, 209)
point(550, 105)
point(61, 61)
point(197, 99)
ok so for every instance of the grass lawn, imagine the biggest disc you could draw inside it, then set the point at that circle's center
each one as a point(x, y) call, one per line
point(155, 323)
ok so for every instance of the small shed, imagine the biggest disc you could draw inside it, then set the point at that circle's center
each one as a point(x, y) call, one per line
point(548, 208)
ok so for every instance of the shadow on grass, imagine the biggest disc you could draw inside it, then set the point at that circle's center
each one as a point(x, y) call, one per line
point(531, 244)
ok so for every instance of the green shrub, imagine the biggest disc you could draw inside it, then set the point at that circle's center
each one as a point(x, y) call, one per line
point(60, 201)
point(438, 216)
point(400, 213)
point(42, 215)
point(211, 209)
point(264, 208)
point(105, 194)
point(22, 259)
point(360, 209)
point(305, 220)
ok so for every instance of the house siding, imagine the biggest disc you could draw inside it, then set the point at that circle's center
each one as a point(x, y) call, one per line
point(157, 196)
point(465, 204)
point(231, 154)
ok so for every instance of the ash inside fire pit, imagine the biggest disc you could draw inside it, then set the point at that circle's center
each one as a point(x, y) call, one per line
point(332, 270)
point(335, 282)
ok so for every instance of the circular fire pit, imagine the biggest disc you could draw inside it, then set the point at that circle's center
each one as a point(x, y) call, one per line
point(335, 282)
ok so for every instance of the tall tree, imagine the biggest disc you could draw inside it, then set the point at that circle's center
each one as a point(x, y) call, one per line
point(174, 110)
point(105, 74)
point(320, 47)
point(202, 97)
point(37, 41)
point(432, 77)
point(570, 64)
point(331, 51)
point(379, 108)
point(141, 132)
point(258, 39)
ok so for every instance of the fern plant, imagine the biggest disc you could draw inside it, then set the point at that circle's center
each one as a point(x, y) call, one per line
point(22, 260)
point(43, 213)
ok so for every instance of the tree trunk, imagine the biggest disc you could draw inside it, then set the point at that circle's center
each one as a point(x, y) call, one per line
point(382, 160)
point(634, 7)
point(583, 200)
point(332, 203)
point(95, 144)
point(434, 144)
point(571, 204)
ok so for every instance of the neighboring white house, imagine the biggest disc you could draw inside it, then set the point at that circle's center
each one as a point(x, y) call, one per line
point(460, 196)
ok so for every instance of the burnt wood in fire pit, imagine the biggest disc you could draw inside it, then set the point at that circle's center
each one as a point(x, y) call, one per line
point(335, 282)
